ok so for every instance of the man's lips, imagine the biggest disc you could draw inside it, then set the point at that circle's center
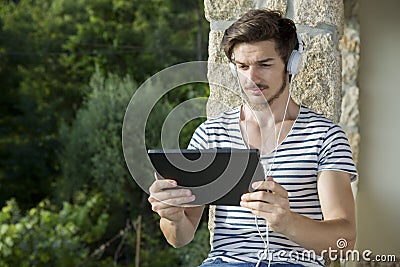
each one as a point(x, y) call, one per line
point(256, 89)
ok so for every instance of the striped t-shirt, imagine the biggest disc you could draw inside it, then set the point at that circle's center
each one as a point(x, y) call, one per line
point(314, 144)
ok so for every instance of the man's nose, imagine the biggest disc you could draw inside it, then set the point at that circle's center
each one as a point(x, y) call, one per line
point(253, 74)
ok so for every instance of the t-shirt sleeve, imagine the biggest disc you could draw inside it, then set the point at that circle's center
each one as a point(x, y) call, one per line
point(335, 153)
point(199, 138)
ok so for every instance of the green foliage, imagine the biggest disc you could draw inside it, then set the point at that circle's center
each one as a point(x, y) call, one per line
point(92, 161)
point(92, 154)
point(48, 53)
point(61, 138)
point(46, 236)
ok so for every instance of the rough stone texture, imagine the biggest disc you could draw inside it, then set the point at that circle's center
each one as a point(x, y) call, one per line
point(221, 99)
point(350, 41)
point(350, 47)
point(215, 52)
point(319, 12)
point(350, 113)
point(280, 5)
point(318, 84)
point(224, 89)
point(226, 9)
point(350, 66)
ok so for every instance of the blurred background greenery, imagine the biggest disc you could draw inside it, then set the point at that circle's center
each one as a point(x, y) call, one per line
point(68, 69)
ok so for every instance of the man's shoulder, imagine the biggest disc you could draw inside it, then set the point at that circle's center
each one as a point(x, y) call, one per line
point(225, 117)
point(311, 116)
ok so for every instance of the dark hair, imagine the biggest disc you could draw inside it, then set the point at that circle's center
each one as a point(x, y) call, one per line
point(262, 25)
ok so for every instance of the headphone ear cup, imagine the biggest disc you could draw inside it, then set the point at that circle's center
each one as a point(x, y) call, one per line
point(232, 67)
point(294, 62)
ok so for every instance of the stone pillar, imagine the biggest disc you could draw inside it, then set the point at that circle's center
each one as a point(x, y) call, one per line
point(350, 47)
point(318, 86)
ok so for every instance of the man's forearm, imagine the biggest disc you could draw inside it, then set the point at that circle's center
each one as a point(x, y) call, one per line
point(180, 233)
point(321, 235)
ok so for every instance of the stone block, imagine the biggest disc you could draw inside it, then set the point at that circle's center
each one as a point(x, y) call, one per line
point(215, 52)
point(226, 9)
point(224, 89)
point(318, 85)
point(280, 5)
point(350, 41)
point(319, 12)
point(350, 112)
point(350, 66)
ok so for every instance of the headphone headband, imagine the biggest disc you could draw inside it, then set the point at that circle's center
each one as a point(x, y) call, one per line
point(293, 64)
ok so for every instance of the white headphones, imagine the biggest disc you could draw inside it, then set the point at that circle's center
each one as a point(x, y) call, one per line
point(293, 64)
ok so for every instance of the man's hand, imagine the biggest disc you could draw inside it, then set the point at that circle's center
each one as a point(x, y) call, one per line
point(179, 220)
point(269, 201)
point(167, 201)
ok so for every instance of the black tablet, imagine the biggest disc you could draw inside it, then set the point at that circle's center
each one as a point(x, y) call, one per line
point(215, 176)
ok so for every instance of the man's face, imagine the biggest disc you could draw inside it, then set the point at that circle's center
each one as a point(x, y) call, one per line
point(261, 71)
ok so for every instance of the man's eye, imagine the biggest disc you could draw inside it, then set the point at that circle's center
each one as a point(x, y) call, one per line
point(243, 67)
point(266, 65)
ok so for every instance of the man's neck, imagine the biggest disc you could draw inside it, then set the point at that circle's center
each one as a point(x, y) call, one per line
point(263, 113)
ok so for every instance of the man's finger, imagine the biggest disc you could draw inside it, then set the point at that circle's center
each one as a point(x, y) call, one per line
point(271, 185)
point(160, 185)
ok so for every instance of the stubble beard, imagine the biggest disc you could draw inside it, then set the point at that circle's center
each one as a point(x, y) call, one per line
point(262, 106)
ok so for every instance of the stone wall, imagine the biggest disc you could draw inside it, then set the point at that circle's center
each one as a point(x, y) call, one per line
point(324, 78)
point(319, 23)
point(350, 46)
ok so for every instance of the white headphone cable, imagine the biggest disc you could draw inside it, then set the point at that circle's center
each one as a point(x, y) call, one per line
point(264, 254)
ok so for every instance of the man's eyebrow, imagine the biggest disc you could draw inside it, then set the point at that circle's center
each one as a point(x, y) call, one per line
point(258, 61)
point(266, 60)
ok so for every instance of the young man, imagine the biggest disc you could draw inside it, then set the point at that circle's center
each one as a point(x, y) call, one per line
point(305, 202)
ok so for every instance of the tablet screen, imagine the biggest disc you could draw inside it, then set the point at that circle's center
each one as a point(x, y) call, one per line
point(215, 176)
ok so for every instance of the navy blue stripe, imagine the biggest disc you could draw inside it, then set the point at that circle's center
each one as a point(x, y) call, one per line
point(225, 129)
point(307, 134)
point(278, 169)
point(290, 155)
point(295, 161)
point(280, 149)
point(303, 141)
point(292, 176)
point(224, 134)
point(197, 142)
point(231, 122)
point(227, 141)
point(297, 183)
point(303, 196)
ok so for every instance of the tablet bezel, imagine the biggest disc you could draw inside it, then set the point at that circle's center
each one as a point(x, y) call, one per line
point(241, 183)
